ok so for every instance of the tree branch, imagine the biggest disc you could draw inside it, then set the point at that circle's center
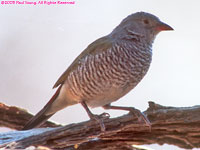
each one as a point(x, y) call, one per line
point(171, 125)
point(15, 118)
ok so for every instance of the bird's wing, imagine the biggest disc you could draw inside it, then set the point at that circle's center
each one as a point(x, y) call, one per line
point(94, 48)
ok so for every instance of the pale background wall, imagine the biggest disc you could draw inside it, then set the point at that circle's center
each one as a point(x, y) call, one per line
point(37, 44)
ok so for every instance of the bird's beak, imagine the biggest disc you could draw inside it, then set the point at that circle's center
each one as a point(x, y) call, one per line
point(163, 27)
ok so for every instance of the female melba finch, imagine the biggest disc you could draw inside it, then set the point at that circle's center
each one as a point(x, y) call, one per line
point(106, 70)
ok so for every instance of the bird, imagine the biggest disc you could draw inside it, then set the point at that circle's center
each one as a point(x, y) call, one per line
point(106, 70)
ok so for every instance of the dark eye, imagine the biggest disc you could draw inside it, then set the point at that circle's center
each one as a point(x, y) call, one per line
point(146, 21)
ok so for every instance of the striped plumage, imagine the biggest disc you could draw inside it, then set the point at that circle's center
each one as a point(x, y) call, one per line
point(107, 69)
point(106, 76)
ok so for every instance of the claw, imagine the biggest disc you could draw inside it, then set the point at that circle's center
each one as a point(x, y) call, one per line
point(141, 117)
point(99, 119)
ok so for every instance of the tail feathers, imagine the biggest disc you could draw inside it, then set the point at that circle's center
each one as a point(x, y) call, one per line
point(37, 120)
point(41, 116)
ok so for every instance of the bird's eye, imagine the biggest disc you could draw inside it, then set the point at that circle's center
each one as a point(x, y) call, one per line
point(146, 21)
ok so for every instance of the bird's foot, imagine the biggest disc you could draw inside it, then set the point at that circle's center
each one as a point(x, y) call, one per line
point(141, 117)
point(100, 118)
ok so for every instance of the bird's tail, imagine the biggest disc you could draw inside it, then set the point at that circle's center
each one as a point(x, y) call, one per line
point(41, 116)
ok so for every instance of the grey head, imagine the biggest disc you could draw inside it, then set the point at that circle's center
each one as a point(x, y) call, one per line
point(141, 24)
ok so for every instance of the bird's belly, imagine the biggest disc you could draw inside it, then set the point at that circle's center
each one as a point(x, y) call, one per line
point(101, 92)
point(114, 89)
point(109, 95)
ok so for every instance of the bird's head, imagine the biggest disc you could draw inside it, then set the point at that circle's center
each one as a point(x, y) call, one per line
point(142, 23)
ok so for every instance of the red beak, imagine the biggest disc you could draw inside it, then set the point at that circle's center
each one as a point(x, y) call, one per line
point(163, 27)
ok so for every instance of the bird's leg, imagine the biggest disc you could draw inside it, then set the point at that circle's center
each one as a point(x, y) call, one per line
point(98, 118)
point(136, 112)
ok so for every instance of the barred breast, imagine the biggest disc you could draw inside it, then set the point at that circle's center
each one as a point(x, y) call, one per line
point(106, 76)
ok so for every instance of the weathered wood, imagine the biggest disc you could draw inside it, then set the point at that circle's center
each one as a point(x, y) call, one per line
point(15, 118)
point(170, 125)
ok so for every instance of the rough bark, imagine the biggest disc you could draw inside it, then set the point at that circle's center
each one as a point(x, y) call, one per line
point(15, 118)
point(170, 125)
